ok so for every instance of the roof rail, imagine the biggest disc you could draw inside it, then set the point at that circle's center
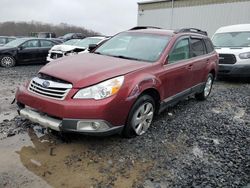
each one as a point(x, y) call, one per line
point(144, 27)
point(191, 30)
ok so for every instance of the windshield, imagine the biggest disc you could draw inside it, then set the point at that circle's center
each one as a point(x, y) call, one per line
point(234, 39)
point(2, 40)
point(72, 41)
point(137, 46)
point(15, 43)
point(87, 41)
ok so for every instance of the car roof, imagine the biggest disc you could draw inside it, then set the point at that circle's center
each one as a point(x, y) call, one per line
point(153, 31)
point(31, 38)
point(166, 32)
point(96, 37)
point(234, 28)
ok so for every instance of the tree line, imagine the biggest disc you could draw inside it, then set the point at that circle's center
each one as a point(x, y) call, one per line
point(12, 28)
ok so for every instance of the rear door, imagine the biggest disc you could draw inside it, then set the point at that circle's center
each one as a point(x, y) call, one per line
point(177, 77)
point(29, 51)
point(200, 59)
point(46, 45)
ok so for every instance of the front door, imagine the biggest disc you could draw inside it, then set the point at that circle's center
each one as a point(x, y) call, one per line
point(177, 77)
point(29, 51)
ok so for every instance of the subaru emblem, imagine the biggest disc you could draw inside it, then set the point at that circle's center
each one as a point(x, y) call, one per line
point(46, 84)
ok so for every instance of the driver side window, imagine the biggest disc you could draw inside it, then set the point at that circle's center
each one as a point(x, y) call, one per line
point(31, 44)
point(180, 51)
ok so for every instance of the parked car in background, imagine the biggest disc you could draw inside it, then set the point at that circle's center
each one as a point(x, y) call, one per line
point(5, 39)
point(70, 36)
point(80, 46)
point(43, 34)
point(123, 84)
point(25, 50)
point(233, 45)
point(49, 35)
point(71, 42)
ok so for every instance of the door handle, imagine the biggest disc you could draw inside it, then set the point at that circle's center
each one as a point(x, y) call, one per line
point(208, 60)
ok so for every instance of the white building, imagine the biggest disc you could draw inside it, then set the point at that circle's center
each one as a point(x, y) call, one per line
point(207, 15)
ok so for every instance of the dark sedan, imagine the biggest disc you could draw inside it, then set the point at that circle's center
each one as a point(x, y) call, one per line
point(25, 50)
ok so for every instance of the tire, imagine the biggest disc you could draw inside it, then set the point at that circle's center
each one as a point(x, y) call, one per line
point(7, 61)
point(140, 117)
point(207, 88)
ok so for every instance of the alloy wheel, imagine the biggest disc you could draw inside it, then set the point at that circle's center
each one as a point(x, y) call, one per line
point(142, 118)
point(208, 86)
point(7, 61)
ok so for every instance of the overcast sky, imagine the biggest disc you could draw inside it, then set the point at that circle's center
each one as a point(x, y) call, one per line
point(104, 16)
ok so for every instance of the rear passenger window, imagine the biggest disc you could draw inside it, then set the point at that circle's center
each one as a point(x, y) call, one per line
point(46, 43)
point(180, 52)
point(209, 46)
point(197, 47)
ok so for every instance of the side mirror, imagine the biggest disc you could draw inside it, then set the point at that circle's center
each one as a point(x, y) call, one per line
point(21, 47)
point(92, 47)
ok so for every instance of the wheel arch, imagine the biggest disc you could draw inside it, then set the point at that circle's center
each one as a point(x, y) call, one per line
point(213, 73)
point(8, 54)
point(154, 94)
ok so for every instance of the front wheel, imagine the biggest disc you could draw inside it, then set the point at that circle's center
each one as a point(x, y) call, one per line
point(140, 117)
point(207, 89)
point(7, 61)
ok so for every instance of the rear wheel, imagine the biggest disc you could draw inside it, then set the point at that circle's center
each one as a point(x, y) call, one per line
point(140, 117)
point(207, 89)
point(7, 61)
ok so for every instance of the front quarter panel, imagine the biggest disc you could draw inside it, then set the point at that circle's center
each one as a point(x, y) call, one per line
point(138, 84)
point(11, 52)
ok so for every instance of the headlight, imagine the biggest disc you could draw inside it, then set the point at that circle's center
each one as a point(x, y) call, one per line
point(102, 90)
point(245, 55)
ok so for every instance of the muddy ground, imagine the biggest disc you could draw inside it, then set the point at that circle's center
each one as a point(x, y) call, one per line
point(194, 144)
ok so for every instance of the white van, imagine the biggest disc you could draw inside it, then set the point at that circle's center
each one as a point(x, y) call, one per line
point(233, 46)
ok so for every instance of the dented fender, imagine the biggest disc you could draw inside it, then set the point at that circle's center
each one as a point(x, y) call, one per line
point(143, 83)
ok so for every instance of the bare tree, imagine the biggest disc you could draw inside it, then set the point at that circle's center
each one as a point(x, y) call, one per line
point(12, 28)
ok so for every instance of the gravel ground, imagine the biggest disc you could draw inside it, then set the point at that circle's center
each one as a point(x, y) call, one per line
point(193, 144)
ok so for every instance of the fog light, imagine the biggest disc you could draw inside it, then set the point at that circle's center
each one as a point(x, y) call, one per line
point(91, 126)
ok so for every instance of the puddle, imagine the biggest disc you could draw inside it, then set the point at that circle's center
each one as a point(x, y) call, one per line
point(50, 162)
point(12, 171)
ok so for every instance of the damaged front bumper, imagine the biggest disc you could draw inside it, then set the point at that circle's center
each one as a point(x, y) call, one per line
point(83, 126)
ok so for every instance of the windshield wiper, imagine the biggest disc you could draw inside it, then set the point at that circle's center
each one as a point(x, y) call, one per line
point(125, 57)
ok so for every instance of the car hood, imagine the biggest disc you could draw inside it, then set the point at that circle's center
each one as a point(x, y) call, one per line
point(65, 48)
point(87, 69)
point(5, 48)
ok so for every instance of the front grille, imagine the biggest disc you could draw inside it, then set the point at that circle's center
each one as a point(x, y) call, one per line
point(56, 55)
point(49, 88)
point(227, 59)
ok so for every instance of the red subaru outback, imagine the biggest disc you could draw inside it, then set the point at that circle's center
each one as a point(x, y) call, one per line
point(121, 85)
